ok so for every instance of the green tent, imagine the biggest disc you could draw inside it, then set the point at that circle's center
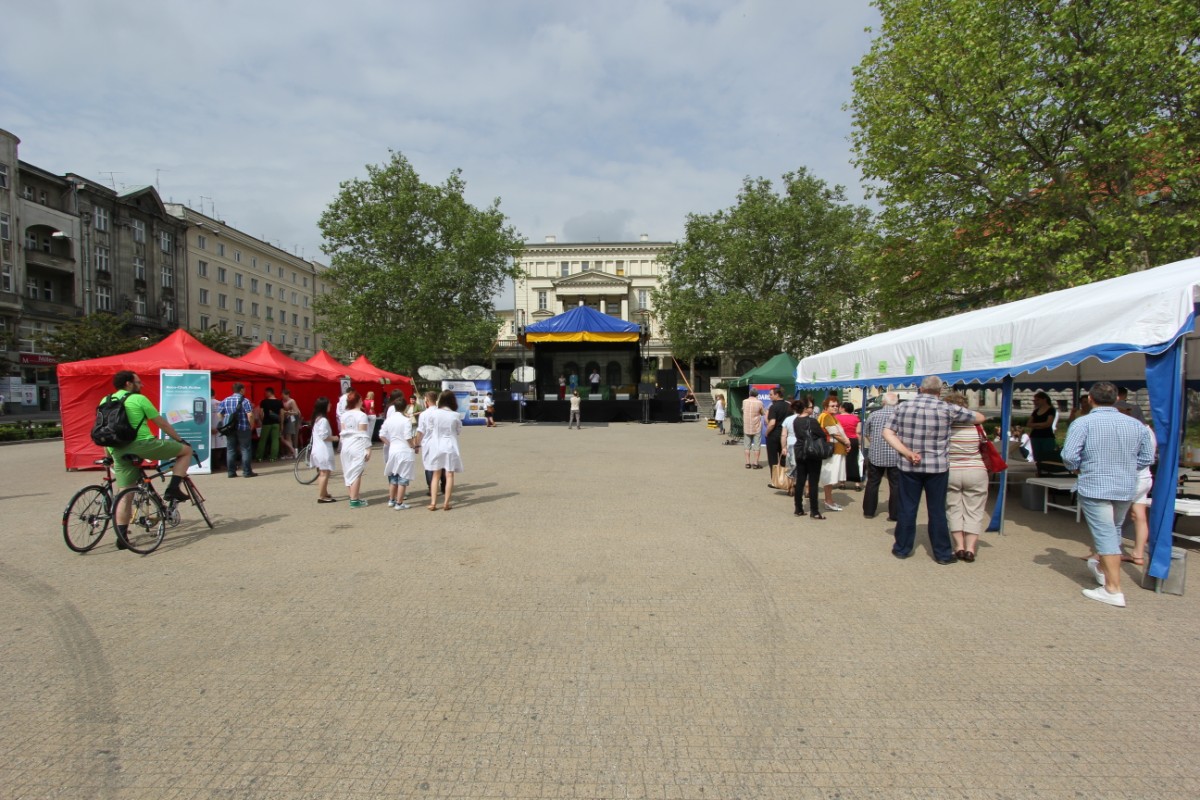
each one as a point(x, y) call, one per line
point(780, 369)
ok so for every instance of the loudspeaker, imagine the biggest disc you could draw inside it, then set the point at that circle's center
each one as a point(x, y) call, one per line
point(666, 379)
point(666, 405)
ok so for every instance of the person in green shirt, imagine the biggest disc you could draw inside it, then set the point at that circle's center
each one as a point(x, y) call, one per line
point(139, 410)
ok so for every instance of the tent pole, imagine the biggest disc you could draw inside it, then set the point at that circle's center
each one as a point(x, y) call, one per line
point(1164, 380)
point(1006, 392)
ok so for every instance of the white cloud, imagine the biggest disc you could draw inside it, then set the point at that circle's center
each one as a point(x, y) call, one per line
point(587, 120)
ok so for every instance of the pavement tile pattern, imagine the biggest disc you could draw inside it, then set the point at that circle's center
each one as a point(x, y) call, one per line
point(618, 612)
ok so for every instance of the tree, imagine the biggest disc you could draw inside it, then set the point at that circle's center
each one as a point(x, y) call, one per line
point(1027, 146)
point(224, 342)
point(413, 269)
point(94, 336)
point(776, 272)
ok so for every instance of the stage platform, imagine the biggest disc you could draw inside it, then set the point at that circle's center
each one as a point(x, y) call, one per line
point(560, 410)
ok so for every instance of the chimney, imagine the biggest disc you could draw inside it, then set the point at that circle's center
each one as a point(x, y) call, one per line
point(551, 240)
point(645, 237)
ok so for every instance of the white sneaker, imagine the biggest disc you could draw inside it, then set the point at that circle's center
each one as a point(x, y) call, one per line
point(401, 506)
point(391, 503)
point(833, 507)
point(1094, 566)
point(1103, 595)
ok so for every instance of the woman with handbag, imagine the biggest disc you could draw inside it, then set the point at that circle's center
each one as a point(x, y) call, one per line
point(833, 469)
point(809, 439)
point(967, 492)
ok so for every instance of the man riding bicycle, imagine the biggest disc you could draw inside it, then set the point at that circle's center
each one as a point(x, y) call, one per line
point(139, 410)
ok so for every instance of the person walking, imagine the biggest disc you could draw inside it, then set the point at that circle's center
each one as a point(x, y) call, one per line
point(271, 410)
point(237, 444)
point(920, 433)
point(967, 488)
point(576, 402)
point(442, 454)
point(753, 415)
point(320, 453)
point(355, 447)
point(882, 460)
point(1106, 449)
point(425, 431)
point(719, 414)
point(398, 440)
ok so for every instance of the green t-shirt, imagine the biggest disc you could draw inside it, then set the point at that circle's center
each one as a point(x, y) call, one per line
point(138, 409)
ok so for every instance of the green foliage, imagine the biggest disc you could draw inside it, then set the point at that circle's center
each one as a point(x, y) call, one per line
point(94, 336)
point(1027, 146)
point(777, 272)
point(414, 268)
point(224, 342)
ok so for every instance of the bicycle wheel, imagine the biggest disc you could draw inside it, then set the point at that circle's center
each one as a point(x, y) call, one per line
point(305, 472)
point(197, 499)
point(148, 524)
point(86, 518)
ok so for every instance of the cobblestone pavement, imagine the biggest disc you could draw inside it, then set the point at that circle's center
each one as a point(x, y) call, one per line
point(617, 612)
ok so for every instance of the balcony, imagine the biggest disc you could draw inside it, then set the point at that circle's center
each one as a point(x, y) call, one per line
point(40, 258)
point(144, 321)
point(51, 308)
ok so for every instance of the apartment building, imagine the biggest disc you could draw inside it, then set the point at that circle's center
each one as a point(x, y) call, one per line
point(239, 283)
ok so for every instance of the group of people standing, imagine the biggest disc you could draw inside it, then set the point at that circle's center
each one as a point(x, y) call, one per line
point(435, 437)
point(276, 421)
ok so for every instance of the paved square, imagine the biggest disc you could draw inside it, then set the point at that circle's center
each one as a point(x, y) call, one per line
point(617, 612)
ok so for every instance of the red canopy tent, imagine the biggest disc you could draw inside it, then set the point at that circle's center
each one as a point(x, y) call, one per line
point(271, 357)
point(402, 382)
point(322, 360)
point(81, 384)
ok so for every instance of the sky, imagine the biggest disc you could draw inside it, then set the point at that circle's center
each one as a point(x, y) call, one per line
point(596, 121)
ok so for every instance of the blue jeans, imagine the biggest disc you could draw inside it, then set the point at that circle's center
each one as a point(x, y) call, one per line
point(236, 445)
point(1104, 519)
point(933, 485)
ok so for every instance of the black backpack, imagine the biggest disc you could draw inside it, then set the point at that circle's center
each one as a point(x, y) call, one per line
point(230, 426)
point(112, 428)
point(811, 447)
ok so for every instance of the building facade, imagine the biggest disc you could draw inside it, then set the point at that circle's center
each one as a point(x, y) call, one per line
point(615, 278)
point(241, 284)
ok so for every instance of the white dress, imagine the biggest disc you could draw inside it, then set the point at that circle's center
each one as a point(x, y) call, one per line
point(440, 447)
point(355, 444)
point(321, 454)
point(399, 459)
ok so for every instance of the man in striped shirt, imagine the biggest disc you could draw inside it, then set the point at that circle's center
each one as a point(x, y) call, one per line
point(1107, 449)
point(882, 460)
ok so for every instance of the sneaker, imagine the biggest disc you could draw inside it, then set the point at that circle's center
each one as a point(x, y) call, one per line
point(832, 507)
point(358, 503)
point(1094, 566)
point(1102, 595)
point(391, 503)
point(401, 506)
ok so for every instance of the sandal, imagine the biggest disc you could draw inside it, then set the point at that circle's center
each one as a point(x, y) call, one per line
point(967, 556)
point(961, 555)
point(1137, 561)
point(817, 516)
point(326, 499)
point(433, 508)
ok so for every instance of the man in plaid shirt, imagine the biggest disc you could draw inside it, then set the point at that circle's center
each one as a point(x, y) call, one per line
point(1107, 449)
point(920, 433)
point(882, 460)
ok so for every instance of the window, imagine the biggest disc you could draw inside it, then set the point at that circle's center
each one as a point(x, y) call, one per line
point(620, 269)
point(102, 259)
point(254, 285)
point(267, 266)
point(222, 301)
point(204, 297)
point(254, 332)
point(3, 176)
point(541, 301)
point(237, 280)
point(168, 310)
point(564, 268)
point(267, 290)
point(202, 269)
point(6, 278)
point(239, 305)
point(42, 197)
point(221, 275)
point(270, 313)
point(139, 304)
point(281, 272)
point(204, 322)
point(3, 335)
point(305, 282)
point(168, 276)
point(139, 268)
point(253, 261)
point(583, 266)
point(293, 281)
point(27, 192)
point(33, 336)
point(306, 326)
point(31, 287)
point(295, 319)
point(104, 298)
point(164, 240)
point(237, 256)
point(101, 218)
point(305, 342)
point(239, 329)
point(48, 290)
point(254, 313)
point(139, 231)
point(31, 240)
point(643, 299)
point(223, 324)
point(220, 249)
point(202, 242)
point(5, 227)
point(306, 301)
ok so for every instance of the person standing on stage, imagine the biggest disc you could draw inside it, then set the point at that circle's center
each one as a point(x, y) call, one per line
point(594, 379)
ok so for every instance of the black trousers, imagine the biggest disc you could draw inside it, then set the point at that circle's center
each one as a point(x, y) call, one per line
point(774, 447)
point(852, 472)
point(808, 470)
point(875, 476)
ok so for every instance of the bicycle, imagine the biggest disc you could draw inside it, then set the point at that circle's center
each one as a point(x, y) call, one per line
point(151, 513)
point(86, 517)
point(304, 471)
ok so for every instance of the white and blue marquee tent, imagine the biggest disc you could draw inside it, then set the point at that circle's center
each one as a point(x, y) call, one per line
point(1137, 329)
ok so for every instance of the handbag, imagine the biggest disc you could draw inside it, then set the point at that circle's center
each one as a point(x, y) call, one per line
point(816, 448)
point(230, 426)
point(780, 478)
point(992, 460)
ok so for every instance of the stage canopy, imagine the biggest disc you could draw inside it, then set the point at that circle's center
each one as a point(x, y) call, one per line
point(581, 324)
point(1140, 321)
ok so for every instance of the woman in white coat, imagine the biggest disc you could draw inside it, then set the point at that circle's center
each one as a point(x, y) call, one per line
point(320, 455)
point(356, 446)
point(440, 448)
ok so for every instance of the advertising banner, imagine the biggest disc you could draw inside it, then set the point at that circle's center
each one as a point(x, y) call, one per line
point(472, 397)
point(184, 402)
